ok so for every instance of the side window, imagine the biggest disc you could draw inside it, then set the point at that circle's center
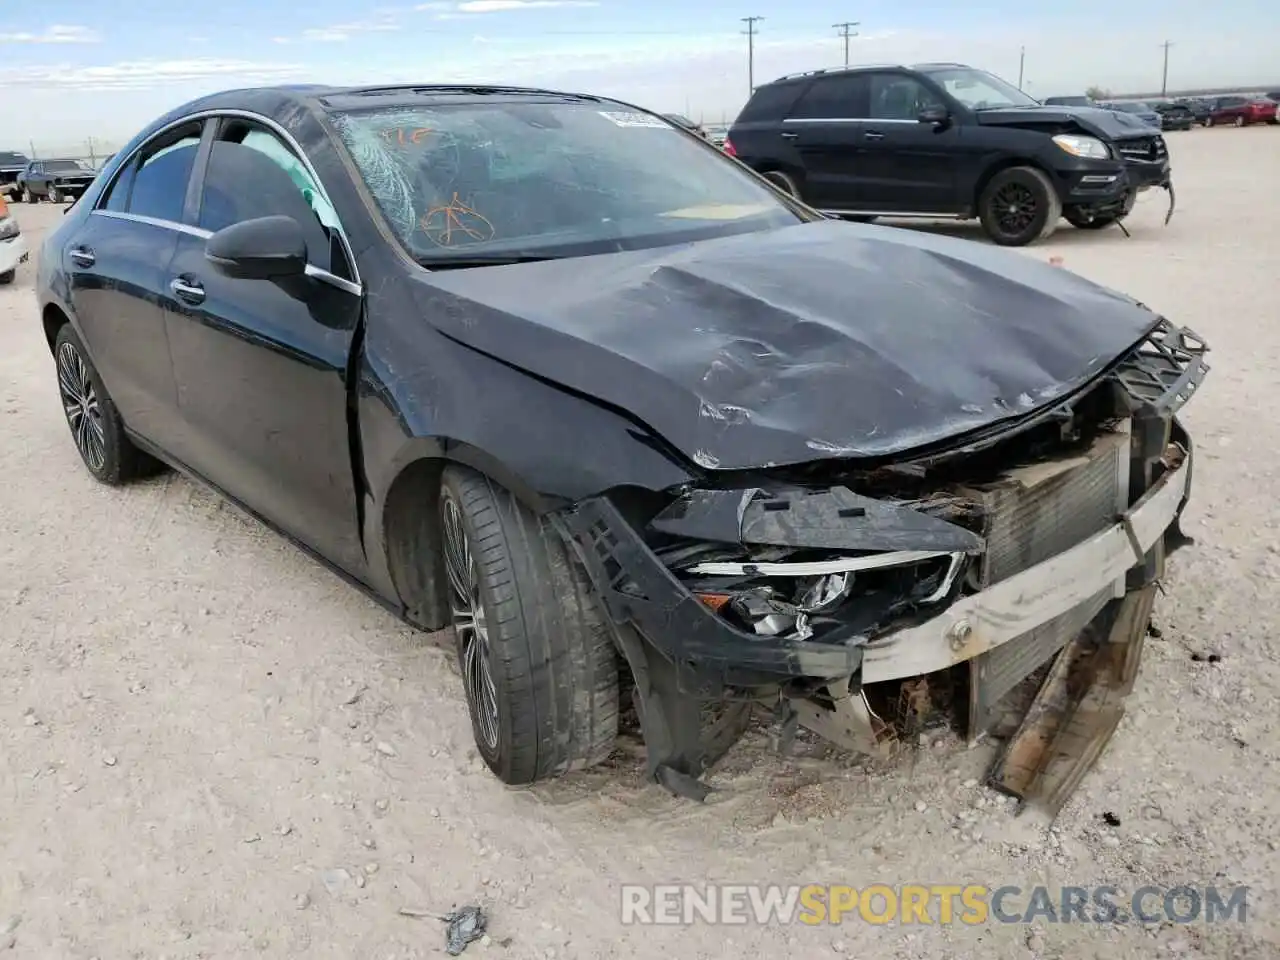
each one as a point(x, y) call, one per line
point(834, 97)
point(242, 183)
point(895, 96)
point(281, 185)
point(154, 183)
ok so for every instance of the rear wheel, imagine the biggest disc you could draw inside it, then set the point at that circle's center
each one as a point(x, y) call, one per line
point(96, 426)
point(538, 663)
point(1019, 205)
point(783, 182)
point(1208, 121)
point(55, 195)
point(6, 278)
point(27, 196)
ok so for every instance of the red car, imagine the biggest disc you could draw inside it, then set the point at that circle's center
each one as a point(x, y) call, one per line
point(1240, 111)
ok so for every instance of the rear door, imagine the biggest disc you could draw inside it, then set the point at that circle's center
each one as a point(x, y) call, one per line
point(823, 127)
point(906, 166)
point(116, 263)
point(261, 365)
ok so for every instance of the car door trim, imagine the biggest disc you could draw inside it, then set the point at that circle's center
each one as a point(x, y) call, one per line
point(843, 120)
point(352, 286)
point(324, 276)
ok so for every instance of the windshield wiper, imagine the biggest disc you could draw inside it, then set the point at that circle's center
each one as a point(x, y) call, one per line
point(494, 260)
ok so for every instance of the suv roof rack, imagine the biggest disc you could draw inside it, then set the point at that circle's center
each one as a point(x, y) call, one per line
point(849, 69)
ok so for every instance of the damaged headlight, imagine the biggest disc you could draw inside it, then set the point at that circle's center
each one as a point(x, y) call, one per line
point(791, 562)
point(1078, 145)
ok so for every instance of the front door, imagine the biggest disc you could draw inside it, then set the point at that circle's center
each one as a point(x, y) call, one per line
point(262, 365)
point(907, 166)
point(116, 264)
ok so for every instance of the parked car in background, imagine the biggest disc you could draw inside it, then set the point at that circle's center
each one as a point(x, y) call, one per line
point(1239, 111)
point(12, 164)
point(680, 120)
point(1142, 111)
point(1199, 107)
point(629, 420)
point(13, 245)
point(946, 140)
point(1174, 115)
point(716, 133)
point(54, 180)
point(1069, 102)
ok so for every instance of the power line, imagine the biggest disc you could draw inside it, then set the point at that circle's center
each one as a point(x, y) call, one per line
point(1164, 77)
point(844, 29)
point(751, 52)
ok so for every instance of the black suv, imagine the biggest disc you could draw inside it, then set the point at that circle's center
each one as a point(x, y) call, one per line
point(946, 140)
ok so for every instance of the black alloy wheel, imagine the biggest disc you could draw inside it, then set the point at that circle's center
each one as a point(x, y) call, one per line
point(1019, 205)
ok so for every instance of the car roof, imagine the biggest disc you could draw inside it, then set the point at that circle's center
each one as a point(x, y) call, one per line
point(865, 67)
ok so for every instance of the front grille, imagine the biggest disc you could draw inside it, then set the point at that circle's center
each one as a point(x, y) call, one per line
point(1039, 511)
point(1145, 149)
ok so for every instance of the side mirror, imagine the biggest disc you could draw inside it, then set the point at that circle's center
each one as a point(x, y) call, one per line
point(265, 248)
point(934, 116)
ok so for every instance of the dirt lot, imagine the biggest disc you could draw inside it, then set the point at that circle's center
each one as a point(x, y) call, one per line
point(212, 747)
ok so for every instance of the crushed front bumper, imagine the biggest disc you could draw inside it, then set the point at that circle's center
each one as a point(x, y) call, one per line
point(1071, 574)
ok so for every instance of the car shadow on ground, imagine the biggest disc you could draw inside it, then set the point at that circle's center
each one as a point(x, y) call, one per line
point(1065, 235)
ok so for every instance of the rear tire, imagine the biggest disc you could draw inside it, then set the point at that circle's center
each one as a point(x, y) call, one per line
point(7, 278)
point(1208, 121)
point(783, 182)
point(27, 195)
point(96, 425)
point(55, 195)
point(1019, 205)
point(539, 667)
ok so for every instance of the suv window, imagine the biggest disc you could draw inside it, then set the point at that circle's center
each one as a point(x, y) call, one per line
point(770, 102)
point(835, 97)
point(895, 96)
point(154, 184)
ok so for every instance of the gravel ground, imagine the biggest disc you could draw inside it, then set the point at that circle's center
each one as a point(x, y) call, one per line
point(212, 747)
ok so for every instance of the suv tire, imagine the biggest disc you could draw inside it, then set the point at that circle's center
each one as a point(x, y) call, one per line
point(1018, 206)
point(783, 182)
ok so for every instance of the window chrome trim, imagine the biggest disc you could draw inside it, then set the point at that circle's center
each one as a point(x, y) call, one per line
point(289, 142)
point(843, 120)
point(314, 272)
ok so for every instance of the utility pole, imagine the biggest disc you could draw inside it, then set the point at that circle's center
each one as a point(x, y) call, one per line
point(751, 52)
point(1164, 77)
point(844, 29)
point(1022, 62)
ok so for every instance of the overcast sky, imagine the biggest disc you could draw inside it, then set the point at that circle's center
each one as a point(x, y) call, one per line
point(120, 64)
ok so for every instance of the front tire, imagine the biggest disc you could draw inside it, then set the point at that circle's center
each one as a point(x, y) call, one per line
point(96, 426)
point(1019, 205)
point(538, 663)
point(6, 278)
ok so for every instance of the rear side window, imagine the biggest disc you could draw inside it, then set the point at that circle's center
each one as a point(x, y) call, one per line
point(771, 102)
point(835, 97)
point(154, 183)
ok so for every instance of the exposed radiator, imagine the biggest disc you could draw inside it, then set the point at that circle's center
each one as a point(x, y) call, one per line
point(1038, 511)
point(1035, 513)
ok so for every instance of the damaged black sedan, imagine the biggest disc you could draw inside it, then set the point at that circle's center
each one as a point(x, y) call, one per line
point(547, 369)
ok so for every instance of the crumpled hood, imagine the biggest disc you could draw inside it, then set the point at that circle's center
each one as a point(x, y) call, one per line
point(818, 340)
point(1108, 124)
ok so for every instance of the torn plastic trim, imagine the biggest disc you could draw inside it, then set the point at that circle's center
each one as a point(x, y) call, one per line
point(819, 568)
point(1165, 369)
point(834, 518)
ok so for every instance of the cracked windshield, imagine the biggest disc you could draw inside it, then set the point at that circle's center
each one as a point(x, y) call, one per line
point(548, 180)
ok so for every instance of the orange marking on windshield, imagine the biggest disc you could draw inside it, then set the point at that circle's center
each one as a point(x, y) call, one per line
point(406, 135)
point(455, 222)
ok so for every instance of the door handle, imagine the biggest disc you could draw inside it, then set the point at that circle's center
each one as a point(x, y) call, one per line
point(82, 256)
point(788, 135)
point(187, 290)
point(874, 135)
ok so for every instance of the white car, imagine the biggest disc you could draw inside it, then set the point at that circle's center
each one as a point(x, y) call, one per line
point(13, 245)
